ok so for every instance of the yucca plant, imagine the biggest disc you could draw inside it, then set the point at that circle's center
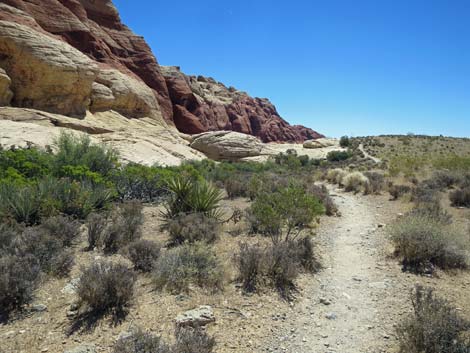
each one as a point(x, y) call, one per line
point(20, 203)
point(189, 196)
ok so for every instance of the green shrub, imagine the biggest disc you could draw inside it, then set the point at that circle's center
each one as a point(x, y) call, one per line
point(143, 254)
point(106, 287)
point(22, 165)
point(19, 276)
point(283, 213)
point(195, 264)
point(338, 156)
point(460, 197)
point(193, 227)
point(21, 203)
point(434, 327)
point(344, 142)
point(138, 182)
point(75, 151)
point(322, 194)
point(189, 196)
point(423, 242)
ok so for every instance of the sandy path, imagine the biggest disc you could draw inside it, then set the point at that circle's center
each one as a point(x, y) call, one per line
point(346, 309)
point(367, 155)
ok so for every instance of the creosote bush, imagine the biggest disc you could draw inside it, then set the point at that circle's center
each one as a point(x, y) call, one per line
point(193, 227)
point(178, 268)
point(434, 327)
point(143, 254)
point(423, 242)
point(106, 287)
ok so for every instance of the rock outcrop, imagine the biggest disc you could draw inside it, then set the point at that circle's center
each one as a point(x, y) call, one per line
point(115, 69)
point(202, 104)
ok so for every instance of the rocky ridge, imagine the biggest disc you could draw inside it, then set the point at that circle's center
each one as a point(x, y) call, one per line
point(75, 59)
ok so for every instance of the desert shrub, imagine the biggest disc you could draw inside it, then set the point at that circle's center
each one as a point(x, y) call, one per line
point(432, 210)
point(195, 264)
point(460, 197)
point(434, 327)
point(75, 150)
point(64, 228)
point(106, 287)
point(249, 261)
point(21, 203)
point(96, 226)
point(283, 213)
point(236, 187)
point(338, 156)
point(138, 182)
point(356, 182)
point(124, 226)
point(423, 242)
point(18, 279)
point(304, 253)
point(21, 165)
point(193, 227)
point(143, 254)
point(189, 196)
point(422, 194)
point(321, 193)
point(193, 340)
point(344, 141)
point(336, 176)
point(443, 179)
point(397, 191)
point(188, 340)
point(139, 341)
point(282, 267)
point(376, 182)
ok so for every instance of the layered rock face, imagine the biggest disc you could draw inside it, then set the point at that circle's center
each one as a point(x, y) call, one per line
point(75, 57)
point(202, 104)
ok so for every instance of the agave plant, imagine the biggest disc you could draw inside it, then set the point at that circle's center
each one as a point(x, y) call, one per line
point(189, 196)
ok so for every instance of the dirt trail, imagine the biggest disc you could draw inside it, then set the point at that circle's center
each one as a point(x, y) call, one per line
point(347, 309)
point(367, 155)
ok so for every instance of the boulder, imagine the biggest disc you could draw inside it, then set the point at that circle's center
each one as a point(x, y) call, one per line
point(320, 143)
point(5, 92)
point(198, 317)
point(227, 145)
point(45, 73)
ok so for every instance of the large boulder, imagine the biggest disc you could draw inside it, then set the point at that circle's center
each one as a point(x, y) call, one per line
point(227, 145)
point(320, 143)
point(46, 73)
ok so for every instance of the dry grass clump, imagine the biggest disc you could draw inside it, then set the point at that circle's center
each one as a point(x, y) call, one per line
point(178, 268)
point(423, 241)
point(434, 327)
point(376, 182)
point(356, 182)
point(335, 176)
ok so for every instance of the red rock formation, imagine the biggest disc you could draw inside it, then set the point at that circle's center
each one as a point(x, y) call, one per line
point(194, 104)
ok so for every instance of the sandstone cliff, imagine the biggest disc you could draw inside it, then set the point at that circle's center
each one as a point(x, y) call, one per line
point(73, 56)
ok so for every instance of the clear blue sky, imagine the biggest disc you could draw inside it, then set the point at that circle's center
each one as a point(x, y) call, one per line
point(356, 67)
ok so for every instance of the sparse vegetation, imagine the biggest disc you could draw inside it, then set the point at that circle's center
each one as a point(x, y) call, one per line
point(143, 254)
point(193, 227)
point(195, 264)
point(355, 182)
point(106, 287)
point(434, 327)
point(461, 197)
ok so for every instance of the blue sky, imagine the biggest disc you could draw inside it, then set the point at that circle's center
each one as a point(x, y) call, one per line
point(356, 67)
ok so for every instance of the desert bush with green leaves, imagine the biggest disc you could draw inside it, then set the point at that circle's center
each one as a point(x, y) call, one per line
point(284, 214)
